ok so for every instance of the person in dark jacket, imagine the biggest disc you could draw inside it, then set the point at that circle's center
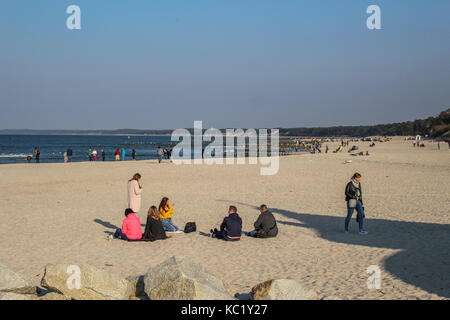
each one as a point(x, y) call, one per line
point(231, 227)
point(265, 225)
point(153, 228)
point(353, 196)
point(69, 154)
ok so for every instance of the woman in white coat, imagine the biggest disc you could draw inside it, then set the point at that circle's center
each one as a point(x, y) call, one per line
point(134, 193)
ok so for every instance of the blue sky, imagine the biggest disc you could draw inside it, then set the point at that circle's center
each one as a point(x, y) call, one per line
point(236, 63)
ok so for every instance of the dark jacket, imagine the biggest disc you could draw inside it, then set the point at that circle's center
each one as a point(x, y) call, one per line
point(351, 191)
point(232, 225)
point(266, 225)
point(69, 152)
point(154, 230)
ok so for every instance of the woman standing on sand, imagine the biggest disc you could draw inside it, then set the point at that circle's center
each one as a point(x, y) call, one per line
point(134, 193)
point(353, 196)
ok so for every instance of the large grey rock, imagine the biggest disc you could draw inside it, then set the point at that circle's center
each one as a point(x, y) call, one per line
point(94, 284)
point(178, 278)
point(282, 289)
point(11, 281)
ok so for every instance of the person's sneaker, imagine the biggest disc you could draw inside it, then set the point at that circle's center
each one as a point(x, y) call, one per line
point(363, 232)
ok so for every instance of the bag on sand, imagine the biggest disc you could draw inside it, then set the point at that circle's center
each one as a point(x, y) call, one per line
point(190, 227)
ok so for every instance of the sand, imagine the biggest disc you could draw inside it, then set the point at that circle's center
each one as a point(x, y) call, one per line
point(53, 213)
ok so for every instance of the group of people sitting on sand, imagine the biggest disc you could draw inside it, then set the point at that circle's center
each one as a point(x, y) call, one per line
point(159, 220)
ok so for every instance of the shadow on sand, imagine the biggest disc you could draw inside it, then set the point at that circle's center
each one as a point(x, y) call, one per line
point(424, 261)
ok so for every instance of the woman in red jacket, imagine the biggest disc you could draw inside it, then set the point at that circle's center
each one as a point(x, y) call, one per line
point(131, 227)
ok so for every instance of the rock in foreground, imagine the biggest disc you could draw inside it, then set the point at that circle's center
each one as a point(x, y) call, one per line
point(11, 281)
point(94, 284)
point(282, 289)
point(181, 279)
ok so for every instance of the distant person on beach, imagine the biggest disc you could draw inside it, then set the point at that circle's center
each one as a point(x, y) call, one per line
point(159, 154)
point(265, 225)
point(134, 192)
point(65, 157)
point(94, 154)
point(166, 211)
point(133, 154)
point(169, 154)
point(29, 158)
point(131, 227)
point(165, 154)
point(37, 154)
point(154, 229)
point(90, 155)
point(353, 196)
point(123, 154)
point(231, 227)
point(439, 146)
point(326, 149)
point(69, 154)
point(117, 154)
point(103, 155)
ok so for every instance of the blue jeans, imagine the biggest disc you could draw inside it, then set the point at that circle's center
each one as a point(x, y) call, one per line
point(119, 235)
point(168, 225)
point(253, 234)
point(360, 212)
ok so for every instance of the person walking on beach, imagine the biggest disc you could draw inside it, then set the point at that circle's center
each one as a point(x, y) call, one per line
point(90, 155)
point(117, 154)
point(231, 227)
point(265, 225)
point(103, 155)
point(69, 154)
point(123, 154)
point(159, 154)
point(134, 192)
point(94, 154)
point(154, 229)
point(353, 196)
point(439, 145)
point(37, 154)
point(166, 210)
point(133, 154)
point(65, 157)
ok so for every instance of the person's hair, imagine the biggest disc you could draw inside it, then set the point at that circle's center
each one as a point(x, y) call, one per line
point(232, 209)
point(128, 211)
point(154, 213)
point(356, 175)
point(136, 177)
point(163, 203)
point(263, 206)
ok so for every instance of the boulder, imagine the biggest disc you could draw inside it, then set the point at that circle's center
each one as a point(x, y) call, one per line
point(282, 289)
point(85, 282)
point(16, 296)
point(137, 286)
point(53, 296)
point(178, 278)
point(11, 281)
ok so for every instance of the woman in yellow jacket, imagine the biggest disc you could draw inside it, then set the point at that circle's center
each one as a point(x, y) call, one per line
point(166, 211)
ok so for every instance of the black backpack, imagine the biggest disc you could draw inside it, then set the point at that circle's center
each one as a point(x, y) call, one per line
point(190, 227)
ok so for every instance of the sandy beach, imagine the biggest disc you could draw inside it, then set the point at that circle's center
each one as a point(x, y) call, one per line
point(63, 213)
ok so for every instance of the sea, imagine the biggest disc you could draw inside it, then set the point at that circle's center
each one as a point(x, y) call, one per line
point(16, 148)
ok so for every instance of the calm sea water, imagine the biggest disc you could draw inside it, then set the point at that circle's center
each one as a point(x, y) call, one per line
point(15, 148)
